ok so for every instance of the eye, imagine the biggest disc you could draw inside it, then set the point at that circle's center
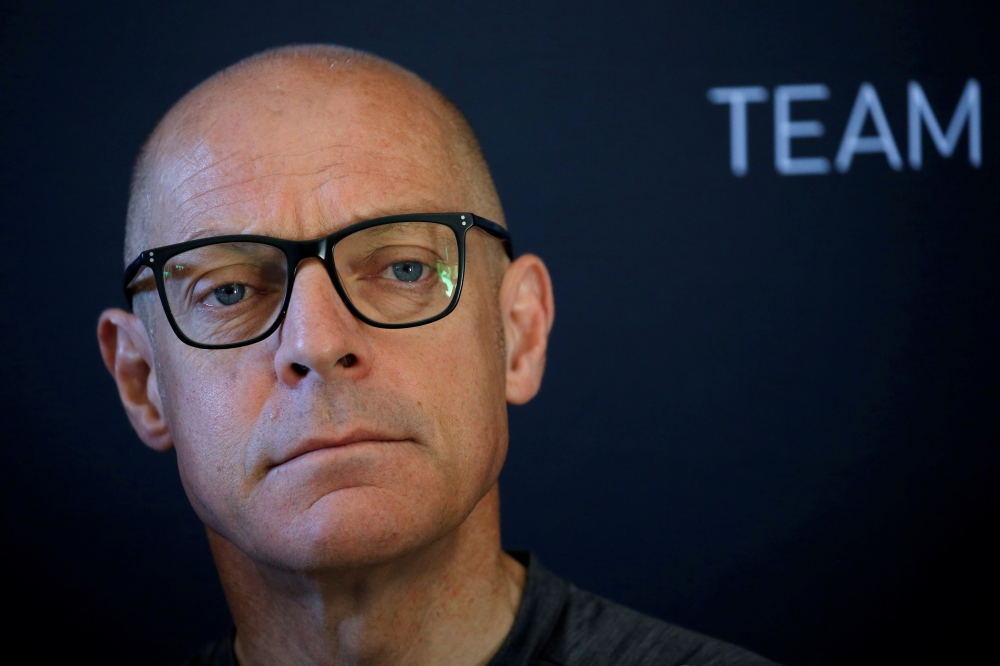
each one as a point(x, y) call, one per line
point(230, 294)
point(408, 271)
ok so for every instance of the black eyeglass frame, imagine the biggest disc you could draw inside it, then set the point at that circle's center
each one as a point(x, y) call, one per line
point(296, 251)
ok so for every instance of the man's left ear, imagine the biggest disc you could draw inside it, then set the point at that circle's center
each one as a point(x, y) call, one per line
point(528, 310)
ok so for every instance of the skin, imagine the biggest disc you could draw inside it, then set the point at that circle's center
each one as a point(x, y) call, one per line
point(346, 475)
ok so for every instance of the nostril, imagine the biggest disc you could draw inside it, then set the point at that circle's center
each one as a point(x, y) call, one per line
point(300, 369)
point(349, 360)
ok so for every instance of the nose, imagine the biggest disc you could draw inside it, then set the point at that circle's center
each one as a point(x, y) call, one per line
point(319, 337)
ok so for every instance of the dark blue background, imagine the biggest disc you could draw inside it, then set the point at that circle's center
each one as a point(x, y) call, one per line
point(771, 408)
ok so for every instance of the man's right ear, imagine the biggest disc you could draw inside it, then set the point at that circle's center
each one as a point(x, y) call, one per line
point(128, 355)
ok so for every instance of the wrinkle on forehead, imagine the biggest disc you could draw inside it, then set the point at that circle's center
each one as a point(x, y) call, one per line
point(306, 202)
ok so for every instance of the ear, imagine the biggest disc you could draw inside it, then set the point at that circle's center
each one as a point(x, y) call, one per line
point(528, 310)
point(128, 355)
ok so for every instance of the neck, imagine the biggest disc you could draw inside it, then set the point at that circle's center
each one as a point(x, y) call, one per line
point(452, 602)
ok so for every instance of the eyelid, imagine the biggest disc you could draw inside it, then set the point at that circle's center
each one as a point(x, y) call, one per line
point(194, 279)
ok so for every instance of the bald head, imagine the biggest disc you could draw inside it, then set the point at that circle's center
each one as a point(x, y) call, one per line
point(345, 111)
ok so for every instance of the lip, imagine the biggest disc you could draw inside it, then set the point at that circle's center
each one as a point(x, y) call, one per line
point(320, 443)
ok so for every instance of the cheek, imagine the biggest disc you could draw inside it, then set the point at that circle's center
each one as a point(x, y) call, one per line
point(212, 400)
point(455, 371)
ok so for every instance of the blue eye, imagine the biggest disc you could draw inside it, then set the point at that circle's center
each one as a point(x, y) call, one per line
point(230, 294)
point(408, 271)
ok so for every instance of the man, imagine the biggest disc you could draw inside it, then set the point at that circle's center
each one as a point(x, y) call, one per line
point(342, 439)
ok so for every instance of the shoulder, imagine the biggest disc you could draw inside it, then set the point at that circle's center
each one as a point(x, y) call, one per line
point(592, 630)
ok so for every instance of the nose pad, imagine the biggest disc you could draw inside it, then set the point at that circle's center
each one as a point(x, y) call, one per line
point(331, 273)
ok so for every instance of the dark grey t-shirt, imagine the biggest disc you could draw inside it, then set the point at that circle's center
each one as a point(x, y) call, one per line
point(560, 625)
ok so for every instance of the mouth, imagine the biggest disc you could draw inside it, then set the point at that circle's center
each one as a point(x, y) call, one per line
point(318, 444)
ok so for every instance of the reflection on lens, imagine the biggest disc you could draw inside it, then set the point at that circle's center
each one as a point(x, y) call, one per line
point(399, 273)
point(448, 274)
point(226, 293)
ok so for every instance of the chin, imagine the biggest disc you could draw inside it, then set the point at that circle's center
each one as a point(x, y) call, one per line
point(357, 527)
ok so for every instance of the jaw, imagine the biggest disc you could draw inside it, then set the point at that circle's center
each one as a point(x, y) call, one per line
point(379, 609)
point(339, 567)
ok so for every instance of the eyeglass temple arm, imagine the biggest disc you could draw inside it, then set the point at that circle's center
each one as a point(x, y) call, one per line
point(495, 230)
point(130, 273)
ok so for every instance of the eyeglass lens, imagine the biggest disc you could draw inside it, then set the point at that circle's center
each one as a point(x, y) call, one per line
point(397, 273)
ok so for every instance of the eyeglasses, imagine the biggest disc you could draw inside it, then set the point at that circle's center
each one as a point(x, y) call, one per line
point(391, 272)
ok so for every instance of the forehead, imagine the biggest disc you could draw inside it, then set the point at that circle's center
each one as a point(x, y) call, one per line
point(298, 154)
